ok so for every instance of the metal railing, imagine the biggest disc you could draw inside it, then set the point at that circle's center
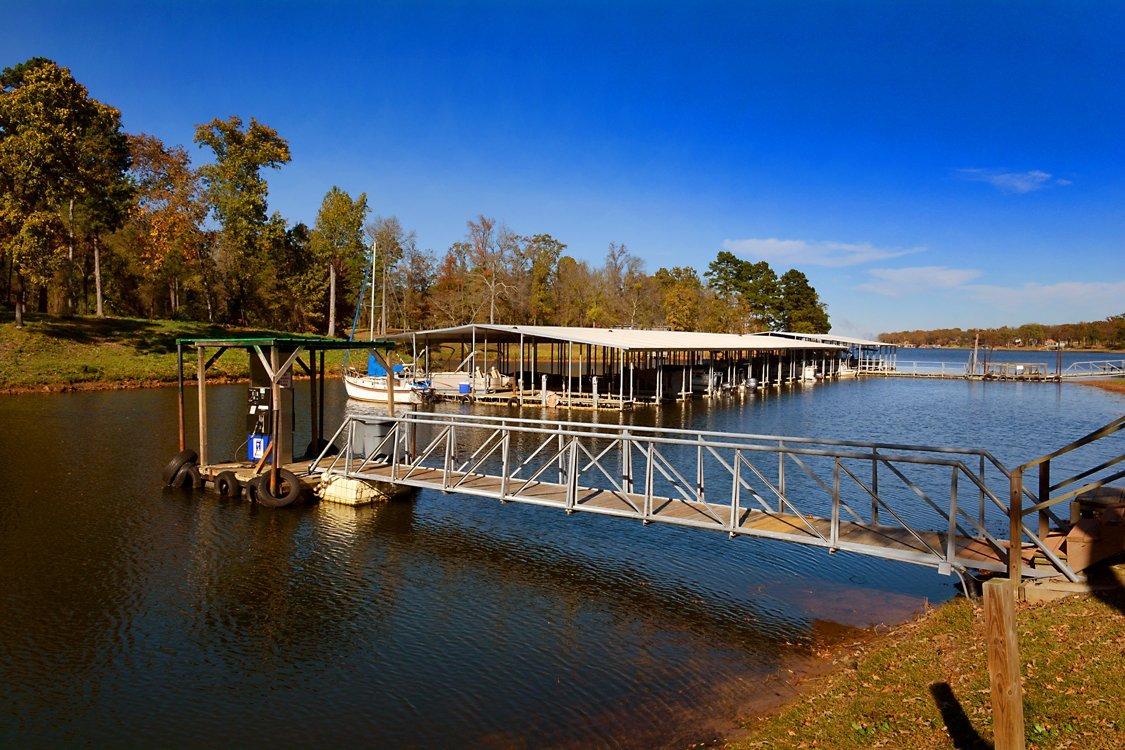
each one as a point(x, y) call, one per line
point(717, 480)
point(1095, 368)
point(1091, 478)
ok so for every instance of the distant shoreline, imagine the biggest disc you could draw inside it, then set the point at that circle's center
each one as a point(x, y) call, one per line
point(1014, 349)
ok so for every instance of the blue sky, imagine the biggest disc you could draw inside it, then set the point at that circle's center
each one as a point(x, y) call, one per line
point(925, 164)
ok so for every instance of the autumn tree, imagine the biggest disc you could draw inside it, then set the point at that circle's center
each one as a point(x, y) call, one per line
point(488, 258)
point(165, 225)
point(337, 242)
point(682, 296)
point(237, 196)
point(60, 150)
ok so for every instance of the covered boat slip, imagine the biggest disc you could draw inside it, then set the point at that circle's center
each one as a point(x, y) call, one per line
point(863, 355)
point(616, 367)
point(273, 360)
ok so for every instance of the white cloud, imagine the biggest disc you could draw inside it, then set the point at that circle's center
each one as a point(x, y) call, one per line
point(1007, 181)
point(1107, 296)
point(812, 252)
point(894, 282)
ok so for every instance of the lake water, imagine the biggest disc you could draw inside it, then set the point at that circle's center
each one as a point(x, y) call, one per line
point(130, 615)
point(1019, 356)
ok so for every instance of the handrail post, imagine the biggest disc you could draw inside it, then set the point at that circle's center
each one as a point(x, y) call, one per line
point(1044, 496)
point(951, 539)
point(648, 482)
point(981, 488)
point(626, 462)
point(699, 496)
point(874, 487)
point(1015, 526)
point(834, 536)
point(505, 453)
point(736, 496)
point(572, 477)
point(395, 451)
point(350, 449)
point(781, 475)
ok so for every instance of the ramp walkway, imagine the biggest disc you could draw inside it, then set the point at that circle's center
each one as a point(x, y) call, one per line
point(957, 510)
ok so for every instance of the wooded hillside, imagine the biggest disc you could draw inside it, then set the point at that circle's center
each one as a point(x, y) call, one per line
point(98, 221)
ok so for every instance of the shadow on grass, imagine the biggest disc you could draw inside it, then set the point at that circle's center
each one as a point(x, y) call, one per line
point(957, 724)
point(144, 336)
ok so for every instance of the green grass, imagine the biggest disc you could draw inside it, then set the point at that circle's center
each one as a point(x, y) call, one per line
point(85, 352)
point(885, 693)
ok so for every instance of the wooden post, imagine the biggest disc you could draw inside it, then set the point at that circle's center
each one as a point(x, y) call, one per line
point(1004, 663)
point(275, 396)
point(1015, 526)
point(1044, 496)
point(180, 399)
point(313, 410)
point(201, 375)
point(385, 361)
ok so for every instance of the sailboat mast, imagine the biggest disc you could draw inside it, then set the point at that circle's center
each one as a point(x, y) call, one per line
point(371, 317)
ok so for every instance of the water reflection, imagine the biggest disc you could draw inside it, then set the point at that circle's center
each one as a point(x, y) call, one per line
point(129, 615)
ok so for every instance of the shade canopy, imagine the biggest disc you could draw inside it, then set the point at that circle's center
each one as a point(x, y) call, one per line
point(627, 339)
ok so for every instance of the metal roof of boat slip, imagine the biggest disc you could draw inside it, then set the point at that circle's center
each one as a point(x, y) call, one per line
point(628, 339)
point(828, 338)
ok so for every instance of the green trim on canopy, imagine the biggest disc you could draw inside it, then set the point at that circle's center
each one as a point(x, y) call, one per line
point(307, 342)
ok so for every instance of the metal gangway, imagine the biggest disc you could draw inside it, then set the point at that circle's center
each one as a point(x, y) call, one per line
point(957, 510)
point(1096, 368)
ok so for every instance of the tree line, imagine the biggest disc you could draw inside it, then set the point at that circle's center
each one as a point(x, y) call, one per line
point(96, 220)
point(1096, 334)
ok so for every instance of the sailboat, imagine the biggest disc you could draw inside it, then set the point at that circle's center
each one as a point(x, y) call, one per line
point(372, 385)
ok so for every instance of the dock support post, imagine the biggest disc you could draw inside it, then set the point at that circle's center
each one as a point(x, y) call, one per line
point(1044, 496)
point(313, 402)
point(275, 395)
point(1015, 525)
point(543, 388)
point(202, 377)
point(180, 399)
point(1004, 663)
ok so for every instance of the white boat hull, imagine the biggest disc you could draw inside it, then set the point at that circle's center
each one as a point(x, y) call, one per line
point(374, 389)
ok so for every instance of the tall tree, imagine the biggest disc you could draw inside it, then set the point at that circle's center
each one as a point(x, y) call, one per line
point(237, 194)
point(59, 149)
point(682, 297)
point(488, 258)
point(802, 310)
point(166, 222)
point(337, 241)
point(751, 288)
point(543, 252)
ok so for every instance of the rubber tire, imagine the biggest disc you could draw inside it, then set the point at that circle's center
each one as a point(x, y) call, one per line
point(173, 468)
point(287, 480)
point(228, 486)
point(188, 477)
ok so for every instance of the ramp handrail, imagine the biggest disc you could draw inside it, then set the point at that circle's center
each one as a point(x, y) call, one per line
point(1045, 500)
point(588, 449)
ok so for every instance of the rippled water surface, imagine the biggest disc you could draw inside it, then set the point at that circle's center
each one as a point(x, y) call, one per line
point(131, 615)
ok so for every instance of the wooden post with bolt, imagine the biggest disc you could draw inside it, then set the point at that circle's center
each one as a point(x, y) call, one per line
point(1004, 663)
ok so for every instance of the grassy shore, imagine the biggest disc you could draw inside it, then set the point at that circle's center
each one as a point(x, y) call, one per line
point(58, 354)
point(925, 684)
point(1113, 385)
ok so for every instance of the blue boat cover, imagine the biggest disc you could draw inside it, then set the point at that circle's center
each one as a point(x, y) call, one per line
point(375, 370)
